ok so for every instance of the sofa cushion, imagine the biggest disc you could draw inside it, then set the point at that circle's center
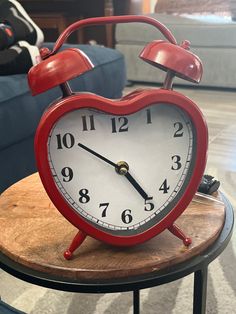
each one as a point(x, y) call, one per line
point(201, 31)
point(20, 112)
point(213, 40)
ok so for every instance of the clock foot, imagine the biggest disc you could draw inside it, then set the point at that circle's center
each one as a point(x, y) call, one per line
point(175, 230)
point(76, 242)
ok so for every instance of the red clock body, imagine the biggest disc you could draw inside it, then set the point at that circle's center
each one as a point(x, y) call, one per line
point(122, 171)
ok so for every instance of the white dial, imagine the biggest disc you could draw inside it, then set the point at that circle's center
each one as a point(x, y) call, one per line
point(122, 173)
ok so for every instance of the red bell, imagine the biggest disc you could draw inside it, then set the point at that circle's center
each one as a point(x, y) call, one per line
point(177, 59)
point(58, 69)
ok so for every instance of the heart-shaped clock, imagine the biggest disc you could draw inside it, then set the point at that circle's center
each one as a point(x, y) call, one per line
point(121, 171)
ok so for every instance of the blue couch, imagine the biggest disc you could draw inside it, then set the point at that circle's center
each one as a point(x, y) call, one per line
point(20, 112)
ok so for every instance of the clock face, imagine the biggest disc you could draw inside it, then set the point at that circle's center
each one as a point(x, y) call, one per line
point(122, 173)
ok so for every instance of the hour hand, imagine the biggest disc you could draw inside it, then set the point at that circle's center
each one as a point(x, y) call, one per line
point(121, 168)
point(136, 186)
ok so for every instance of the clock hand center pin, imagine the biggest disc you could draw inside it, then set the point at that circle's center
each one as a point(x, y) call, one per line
point(121, 168)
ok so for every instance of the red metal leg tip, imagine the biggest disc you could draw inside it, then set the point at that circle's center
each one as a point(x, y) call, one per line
point(67, 254)
point(187, 241)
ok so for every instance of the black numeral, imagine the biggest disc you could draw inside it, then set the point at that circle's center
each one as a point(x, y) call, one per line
point(149, 117)
point(104, 206)
point(67, 173)
point(164, 187)
point(149, 206)
point(84, 197)
point(179, 127)
point(123, 122)
point(126, 216)
point(177, 164)
point(88, 123)
point(67, 140)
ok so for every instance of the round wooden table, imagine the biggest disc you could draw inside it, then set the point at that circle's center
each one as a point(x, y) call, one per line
point(34, 236)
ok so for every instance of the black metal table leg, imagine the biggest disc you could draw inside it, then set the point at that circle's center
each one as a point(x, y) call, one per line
point(200, 291)
point(136, 301)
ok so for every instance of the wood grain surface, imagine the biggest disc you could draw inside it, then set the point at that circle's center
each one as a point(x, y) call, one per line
point(35, 234)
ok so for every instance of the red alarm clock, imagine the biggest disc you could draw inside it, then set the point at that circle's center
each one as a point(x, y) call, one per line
point(121, 171)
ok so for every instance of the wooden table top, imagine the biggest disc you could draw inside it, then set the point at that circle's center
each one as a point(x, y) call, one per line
point(35, 234)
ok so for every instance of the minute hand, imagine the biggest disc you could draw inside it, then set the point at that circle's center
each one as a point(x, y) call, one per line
point(116, 166)
point(97, 155)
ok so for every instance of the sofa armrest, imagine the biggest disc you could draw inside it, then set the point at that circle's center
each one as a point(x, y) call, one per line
point(196, 6)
